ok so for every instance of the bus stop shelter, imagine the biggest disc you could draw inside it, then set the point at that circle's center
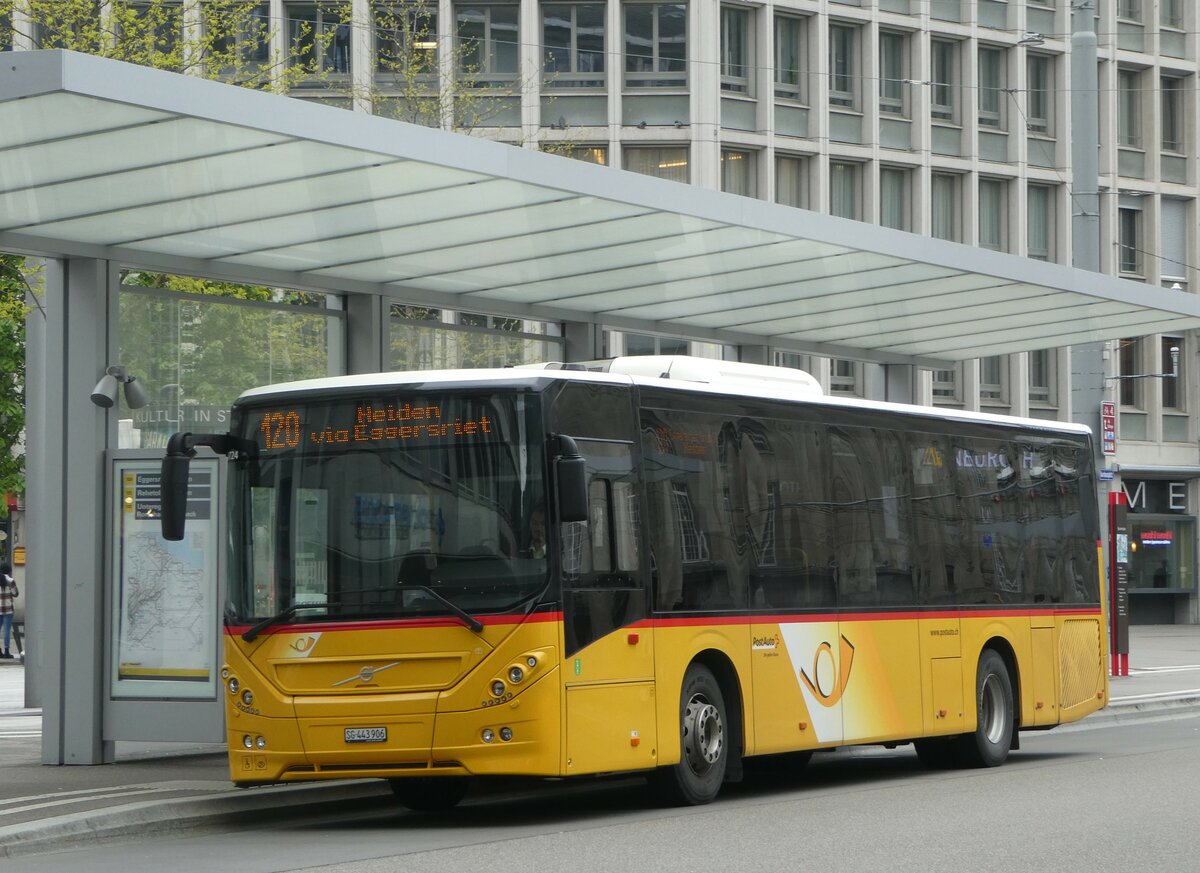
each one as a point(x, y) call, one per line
point(106, 166)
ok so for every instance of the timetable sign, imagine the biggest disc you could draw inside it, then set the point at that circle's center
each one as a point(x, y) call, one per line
point(1108, 427)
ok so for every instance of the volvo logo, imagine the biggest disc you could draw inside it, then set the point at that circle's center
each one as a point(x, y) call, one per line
point(366, 674)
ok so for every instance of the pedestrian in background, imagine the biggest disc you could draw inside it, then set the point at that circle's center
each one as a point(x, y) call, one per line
point(8, 593)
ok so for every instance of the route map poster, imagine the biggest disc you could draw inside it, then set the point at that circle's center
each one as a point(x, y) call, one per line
point(165, 593)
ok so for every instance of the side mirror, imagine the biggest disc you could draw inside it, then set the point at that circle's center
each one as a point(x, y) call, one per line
point(570, 473)
point(173, 487)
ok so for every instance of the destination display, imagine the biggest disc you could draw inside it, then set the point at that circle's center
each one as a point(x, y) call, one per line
point(373, 422)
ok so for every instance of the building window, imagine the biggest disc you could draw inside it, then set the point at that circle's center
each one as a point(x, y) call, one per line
point(240, 41)
point(1170, 13)
point(1172, 114)
point(991, 87)
point(993, 216)
point(318, 39)
point(587, 154)
point(573, 45)
point(1129, 240)
point(618, 343)
point(789, 43)
point(791, 181)
point(1172, 389)
point(1040, 223)
point(993, 381)
point(1129, 109)
point(1039, 93)
point(945, 386)
point(893, 198)
point(406, 42)
point(1129, 360)
point(739, 172)
point(843, 190)
point(1129, 10)
point(943, 202)
point(736, 50)
point(843, 66)
point(1173, 233)
point(670, 162)
point(893, 71)
point(845, 377)
point(655, 45)
point(1041, 376)
point(6, 29)
point(943, 78)
point(488, 42)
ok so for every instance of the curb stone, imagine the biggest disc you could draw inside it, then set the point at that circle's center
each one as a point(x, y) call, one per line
point(184, 814)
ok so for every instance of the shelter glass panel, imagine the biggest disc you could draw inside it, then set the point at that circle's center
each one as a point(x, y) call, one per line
point(194, 353)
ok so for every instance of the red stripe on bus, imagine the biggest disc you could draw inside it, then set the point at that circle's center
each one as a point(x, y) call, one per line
point(907, 615)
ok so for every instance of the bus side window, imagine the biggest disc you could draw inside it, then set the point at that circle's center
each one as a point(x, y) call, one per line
point(603, 552)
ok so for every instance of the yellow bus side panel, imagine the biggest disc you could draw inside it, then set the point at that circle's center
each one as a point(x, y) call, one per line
point(940, 642)
point(1045, 676)
point(782, 721)
point(882, 695)
point(611, 727)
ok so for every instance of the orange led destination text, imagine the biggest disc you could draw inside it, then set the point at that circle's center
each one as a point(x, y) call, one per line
point(375, 422)
point(388, 421)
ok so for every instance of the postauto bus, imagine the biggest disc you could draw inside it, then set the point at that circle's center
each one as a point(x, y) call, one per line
point(646, 565)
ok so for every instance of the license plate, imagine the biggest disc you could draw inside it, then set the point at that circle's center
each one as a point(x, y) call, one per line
point(366, 735)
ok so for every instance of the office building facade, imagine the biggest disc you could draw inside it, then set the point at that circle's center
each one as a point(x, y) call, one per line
point(943, 118)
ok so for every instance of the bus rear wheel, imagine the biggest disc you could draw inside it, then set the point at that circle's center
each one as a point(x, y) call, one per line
point(430, 795)
point(703, 743)
point(995, 719)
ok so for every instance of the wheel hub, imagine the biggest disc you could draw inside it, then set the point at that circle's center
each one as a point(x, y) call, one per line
point(703, 734)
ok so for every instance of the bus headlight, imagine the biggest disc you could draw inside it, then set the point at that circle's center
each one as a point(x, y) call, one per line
point(488, 735)
point(247, 697)
point(515, 674)
point(260, 743)
point(506, 734)
point(234, 685)
point(248, 741)
point(497, 688)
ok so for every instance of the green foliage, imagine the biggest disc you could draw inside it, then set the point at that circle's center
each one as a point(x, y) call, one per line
point(13, 291)
point(217, 39)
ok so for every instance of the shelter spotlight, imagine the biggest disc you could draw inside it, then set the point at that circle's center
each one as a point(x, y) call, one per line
point(105, 392)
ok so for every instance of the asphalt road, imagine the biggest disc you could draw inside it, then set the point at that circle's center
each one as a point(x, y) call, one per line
point(1113, 798)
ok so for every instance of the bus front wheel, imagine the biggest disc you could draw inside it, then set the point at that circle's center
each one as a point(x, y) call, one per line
point(989, 745)
point(423, 794)
point(703, 742)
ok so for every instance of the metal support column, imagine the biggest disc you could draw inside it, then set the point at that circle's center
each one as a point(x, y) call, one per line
point(68, 436)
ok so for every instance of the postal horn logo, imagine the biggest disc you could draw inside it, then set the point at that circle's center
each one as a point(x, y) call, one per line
point(831, 695)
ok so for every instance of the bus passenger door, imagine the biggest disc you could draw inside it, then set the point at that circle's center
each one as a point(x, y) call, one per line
point(609, 650)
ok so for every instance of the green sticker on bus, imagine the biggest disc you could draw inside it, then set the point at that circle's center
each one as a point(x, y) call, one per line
point(578, 666)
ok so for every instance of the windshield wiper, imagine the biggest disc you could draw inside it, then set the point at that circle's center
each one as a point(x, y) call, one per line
point(287, 612)
point(469, 620)
point(283, 614)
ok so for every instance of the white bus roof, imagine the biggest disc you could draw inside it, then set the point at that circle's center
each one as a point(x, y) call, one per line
point(788, 389)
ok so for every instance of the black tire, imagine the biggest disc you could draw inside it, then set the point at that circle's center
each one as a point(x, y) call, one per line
point(703, 743)
point(995, 716)
point(424, 794)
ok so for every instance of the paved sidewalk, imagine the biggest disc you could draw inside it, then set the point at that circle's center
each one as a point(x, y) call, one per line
point(166, 787)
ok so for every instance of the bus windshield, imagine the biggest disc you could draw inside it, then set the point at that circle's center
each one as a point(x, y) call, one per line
point(391, 505)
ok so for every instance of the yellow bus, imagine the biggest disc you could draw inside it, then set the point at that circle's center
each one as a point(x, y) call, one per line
point(647, 565)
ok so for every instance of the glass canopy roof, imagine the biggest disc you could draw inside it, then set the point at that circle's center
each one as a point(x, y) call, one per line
point(161, 171)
